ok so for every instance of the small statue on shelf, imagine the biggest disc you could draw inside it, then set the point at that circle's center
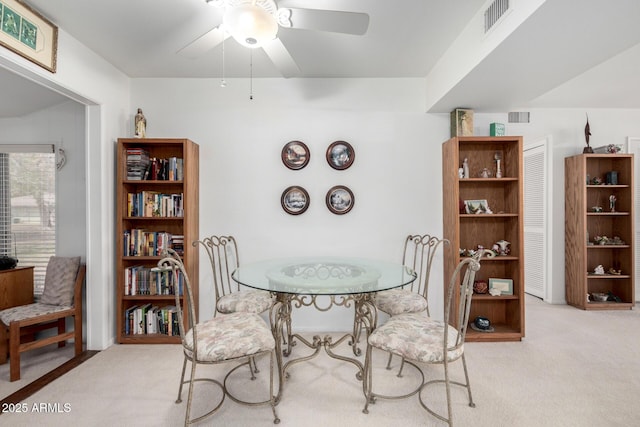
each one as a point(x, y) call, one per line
point(599, 270)
point(612, 203)
point(140, 125)
point(498, 157)
point(587, 134)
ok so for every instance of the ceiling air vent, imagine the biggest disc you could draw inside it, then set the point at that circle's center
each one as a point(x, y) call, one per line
point(494, 12)
point(519, 117)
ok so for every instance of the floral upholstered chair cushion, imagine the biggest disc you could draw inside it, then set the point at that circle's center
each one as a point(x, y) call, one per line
point(59, 280)
point(397, 301)
point(230, 336)
point(248, 301)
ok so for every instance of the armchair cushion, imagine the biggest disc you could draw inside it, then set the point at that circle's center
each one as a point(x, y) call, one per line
point(248, 301)
point(59, 280)
point(29, 311)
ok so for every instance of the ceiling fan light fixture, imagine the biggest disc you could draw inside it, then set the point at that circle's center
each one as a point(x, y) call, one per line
point(250, 25)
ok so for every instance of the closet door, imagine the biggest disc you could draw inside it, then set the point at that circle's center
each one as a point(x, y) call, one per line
point(535, 219)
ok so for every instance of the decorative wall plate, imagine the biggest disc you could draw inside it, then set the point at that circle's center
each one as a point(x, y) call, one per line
point(340, 199)
point(295, 200)
point(340, 155)
point(295, 155)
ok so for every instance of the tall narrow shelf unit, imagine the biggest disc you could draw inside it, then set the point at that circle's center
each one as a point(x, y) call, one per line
point(159, 220)
point(466, 231)
point(583, 223)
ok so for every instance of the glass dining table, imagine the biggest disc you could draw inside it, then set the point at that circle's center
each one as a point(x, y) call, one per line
point(322, 282)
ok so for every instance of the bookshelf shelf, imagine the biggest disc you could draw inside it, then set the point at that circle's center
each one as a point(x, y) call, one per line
point(165, 223)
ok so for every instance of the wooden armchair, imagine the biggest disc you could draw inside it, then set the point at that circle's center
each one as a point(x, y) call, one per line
point(62, 298)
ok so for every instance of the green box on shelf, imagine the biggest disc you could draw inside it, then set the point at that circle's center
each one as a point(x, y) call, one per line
point(496, 129)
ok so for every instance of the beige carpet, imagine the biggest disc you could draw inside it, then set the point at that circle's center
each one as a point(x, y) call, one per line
point(574, 368)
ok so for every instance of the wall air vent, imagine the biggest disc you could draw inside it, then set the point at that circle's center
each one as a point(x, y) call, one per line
point(494, 12)
point(519, 117)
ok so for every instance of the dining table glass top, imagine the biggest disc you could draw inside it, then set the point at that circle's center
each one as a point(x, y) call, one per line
point(327, 275)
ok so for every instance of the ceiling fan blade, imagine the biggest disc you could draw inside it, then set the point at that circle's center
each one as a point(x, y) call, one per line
point(281, 58)
point(330, 20)
point(204, 43)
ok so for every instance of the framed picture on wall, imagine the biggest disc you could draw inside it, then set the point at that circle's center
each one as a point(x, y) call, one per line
point(295, 155)
point(340, 199)
point(29, 34)
point(295, 200)
point(340, 155)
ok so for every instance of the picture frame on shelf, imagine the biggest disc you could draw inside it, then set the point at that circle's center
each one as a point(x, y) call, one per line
point(295, 155)
point(505, 286)
point(340, 155)
point(29, 34)
point(340, 199)
point(295, 200)
point(479, 206)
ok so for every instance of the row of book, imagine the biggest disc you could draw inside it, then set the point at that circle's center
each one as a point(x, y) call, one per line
point(138, 162)
point(140, 242)
point(171, 169)
point(144, 280)
point(151, 319)
point(155, 204)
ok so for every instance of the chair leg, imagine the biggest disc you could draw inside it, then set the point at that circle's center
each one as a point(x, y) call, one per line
point(187, 419)
point(77, 330)
point(253, 368)
point(447, 384)
point(184, 368)
point(4, 341)
point(62, 328)
point(468, 383)
point(14, 352)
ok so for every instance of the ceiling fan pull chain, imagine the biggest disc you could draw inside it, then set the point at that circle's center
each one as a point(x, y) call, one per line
point(223, 83)
point(250, 73)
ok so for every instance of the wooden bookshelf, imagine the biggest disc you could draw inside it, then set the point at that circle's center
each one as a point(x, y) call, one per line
point(583, 223)
point(167, 218)
point(504, 197)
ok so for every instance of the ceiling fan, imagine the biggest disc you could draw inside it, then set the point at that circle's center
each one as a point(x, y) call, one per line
point(255, 24)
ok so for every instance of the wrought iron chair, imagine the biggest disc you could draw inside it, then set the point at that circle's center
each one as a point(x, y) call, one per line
point(62, 299)
point(418, 254)
point(230, 298)
point(233, 338)
point(420, 339)
point(222, 252)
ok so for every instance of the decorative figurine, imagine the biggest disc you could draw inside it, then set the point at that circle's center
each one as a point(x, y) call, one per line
point(599, 269)
point(497, 158)
point(465, 167)
point(503, 247)
point(587, 134)
point(141, 124)
point(612, 203)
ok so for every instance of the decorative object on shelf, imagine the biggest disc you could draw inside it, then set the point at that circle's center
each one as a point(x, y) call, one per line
point(477, 207)
point(498, 158)
point(609, 149)
point(340, 199)
point(501, 247)
point(462, 122)
point(140, 124)
point(484, 173)
point(601, 240)
point(612, 203)
point(612, 178)
point(596, 180)
point(480, 287)
point(29, 34)
point(340, 155)
point(599, 270)
point(295, 155)
point(465, 168)
point(504, 286)
point(587, 134)
point(596, 209)
point(614, 271)
point(295, 200)
point(599, 296)
point(496, 129)
point(482, 324)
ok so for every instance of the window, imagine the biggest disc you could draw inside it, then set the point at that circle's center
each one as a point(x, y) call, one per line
point(28, 206)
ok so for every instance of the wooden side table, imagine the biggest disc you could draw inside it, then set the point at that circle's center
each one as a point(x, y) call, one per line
point(16, 288)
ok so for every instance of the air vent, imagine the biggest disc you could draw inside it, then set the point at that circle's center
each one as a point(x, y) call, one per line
point(494, 12)
point(519, 117)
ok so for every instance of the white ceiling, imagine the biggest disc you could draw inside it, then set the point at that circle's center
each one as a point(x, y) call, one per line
point(567, 54)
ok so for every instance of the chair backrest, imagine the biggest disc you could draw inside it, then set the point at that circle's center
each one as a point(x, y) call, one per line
point(419, 251)
point(223, 256)
point(171, 261)
point(462, 278)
